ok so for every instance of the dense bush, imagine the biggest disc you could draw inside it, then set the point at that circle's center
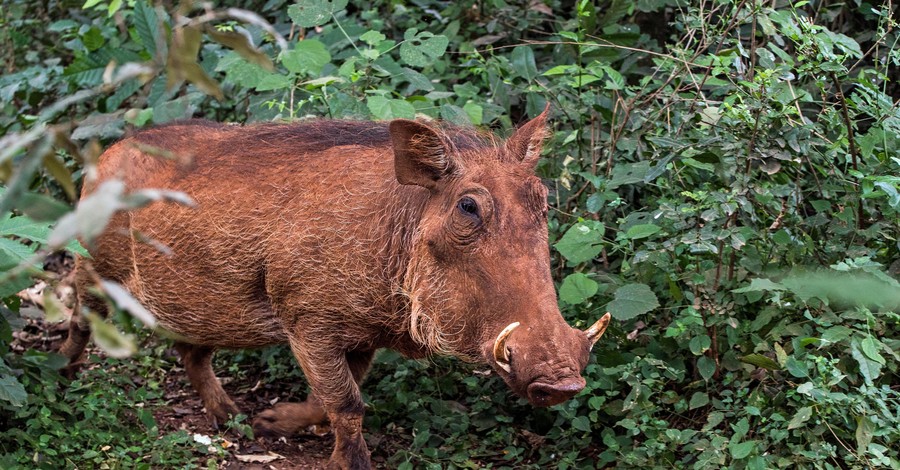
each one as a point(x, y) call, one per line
point(724, 176)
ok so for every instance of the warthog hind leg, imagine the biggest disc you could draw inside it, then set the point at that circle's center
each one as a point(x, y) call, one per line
point(198, 365)
point(79, 327)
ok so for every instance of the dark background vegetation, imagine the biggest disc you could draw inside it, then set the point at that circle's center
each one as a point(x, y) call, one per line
point(724, 179)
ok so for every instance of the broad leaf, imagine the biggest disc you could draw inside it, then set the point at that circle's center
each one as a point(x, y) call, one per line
point(576, 288)
point(759, 360)
point(706, 367)
point(309, 13)
point(12, 391)
point(419, 49)
point(636, 232)
point(582, 242)
point(307, 57)
point(632, 300)
point(387, 108)
point(801, 417)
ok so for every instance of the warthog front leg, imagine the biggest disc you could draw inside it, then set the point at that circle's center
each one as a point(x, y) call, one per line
point(286, 419)
point(198, 365)
point(332, 374)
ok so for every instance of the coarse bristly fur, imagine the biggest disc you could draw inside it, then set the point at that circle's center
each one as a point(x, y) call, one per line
point(338, 238)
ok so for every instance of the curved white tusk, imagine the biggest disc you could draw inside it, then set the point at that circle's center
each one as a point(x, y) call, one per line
point(501, 353)
point(597, 329)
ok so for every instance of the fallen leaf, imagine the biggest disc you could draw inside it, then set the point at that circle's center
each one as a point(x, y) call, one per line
point(263, 458)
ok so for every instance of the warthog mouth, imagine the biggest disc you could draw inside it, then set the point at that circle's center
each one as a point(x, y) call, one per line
point(548, 394)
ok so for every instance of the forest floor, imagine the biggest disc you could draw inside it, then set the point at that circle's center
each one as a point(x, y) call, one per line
point(181, 409)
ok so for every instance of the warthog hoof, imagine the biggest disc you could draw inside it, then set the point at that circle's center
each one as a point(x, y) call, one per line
point(286, 419)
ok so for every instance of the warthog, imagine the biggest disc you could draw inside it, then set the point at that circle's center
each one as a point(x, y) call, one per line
point(340, 238)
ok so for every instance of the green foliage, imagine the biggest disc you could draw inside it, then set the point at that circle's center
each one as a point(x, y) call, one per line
point(724, 179)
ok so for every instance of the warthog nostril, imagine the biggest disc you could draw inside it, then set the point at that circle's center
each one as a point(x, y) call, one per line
point(547, 394)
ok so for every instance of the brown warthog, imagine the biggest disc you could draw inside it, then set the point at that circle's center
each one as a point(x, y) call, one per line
point(340, 238)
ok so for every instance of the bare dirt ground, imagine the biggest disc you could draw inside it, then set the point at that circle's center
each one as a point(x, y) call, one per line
point(305, 451)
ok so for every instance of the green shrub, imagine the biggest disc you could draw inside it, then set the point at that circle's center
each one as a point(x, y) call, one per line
point(723, 176)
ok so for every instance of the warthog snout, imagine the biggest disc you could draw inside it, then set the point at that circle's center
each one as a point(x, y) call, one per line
point(543, 362)
point(547, 394)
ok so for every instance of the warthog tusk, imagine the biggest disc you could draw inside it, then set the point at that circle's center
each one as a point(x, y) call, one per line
point(597, 329)
point(501, 353)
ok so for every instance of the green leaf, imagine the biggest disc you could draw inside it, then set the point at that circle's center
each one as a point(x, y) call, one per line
point(242, 45)
point(699, 399)
point(387, 108)
point(146, 25)
point(239, 71)
point(372, 38)
point(706, 367)
point(12, 253)
point(801, 417)
point(869, 347)
point(88, 70)
point(869, 369)
point(475, 112)
point(835, 334)
point(582, 242)
point(576, 288)
point(699, 344)
point(742, 450)
point(581, 423)
point(307, 57)
point(628, 173)
point(24, 227)
point(760, 284)
point(309, 13)
point(636, 232)
point(419, 49)
point(454, 114)
point(12, 391)
point(632, 300)
point(110, 339)
point(759, 360)
point(522, 59)
point(865, 429)
point(798, 369)
point(93, 39)
point(179, 108)
point(274, 82)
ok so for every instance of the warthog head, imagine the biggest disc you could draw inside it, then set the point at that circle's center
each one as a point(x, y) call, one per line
point(479, 279)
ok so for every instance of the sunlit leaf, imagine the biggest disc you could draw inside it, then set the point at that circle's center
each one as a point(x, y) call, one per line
point(419, 49)
point(110, 339)
point(582, 242)
point(309, 13)
point(125, 301)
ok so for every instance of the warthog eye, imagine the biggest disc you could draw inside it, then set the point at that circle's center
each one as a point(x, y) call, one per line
point(468, 206)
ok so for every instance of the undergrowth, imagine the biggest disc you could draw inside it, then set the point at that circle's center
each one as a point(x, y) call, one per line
point(723, 179)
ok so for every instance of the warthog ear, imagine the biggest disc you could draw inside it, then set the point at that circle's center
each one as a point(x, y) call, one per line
point(525, 144)
point(421, 156)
